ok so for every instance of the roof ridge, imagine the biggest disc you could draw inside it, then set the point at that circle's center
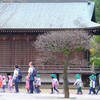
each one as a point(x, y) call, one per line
point(44, 1)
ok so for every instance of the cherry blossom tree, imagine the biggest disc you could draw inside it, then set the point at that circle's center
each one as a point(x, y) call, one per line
point(64, 42)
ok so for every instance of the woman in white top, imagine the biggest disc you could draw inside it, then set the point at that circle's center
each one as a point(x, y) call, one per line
point(31, 79)
point(15, 78)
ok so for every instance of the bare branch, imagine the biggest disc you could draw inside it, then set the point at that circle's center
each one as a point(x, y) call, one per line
point(62, 43)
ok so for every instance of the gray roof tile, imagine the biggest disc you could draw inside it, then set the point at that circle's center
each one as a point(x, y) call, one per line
point(38, 1)
point(46, 15)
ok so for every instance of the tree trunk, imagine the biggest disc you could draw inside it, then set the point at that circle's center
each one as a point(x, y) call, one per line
point(66, 82)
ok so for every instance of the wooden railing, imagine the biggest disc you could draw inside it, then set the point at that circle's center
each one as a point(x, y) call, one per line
point(51, 69)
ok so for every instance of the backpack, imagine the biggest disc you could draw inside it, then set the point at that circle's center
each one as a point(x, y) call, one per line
point(20, 76)
point(34, 72)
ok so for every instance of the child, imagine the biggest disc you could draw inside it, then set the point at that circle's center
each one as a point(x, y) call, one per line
point(90, 85)
point(10, 83)
point(37, 83)
point(78, 83)
point(3, 83)
point(27, 84)
point(98, 86)
point(94, 82)
point(55, 83)
point(0, 82)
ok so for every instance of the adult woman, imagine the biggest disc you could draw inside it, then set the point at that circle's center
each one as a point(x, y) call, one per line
point(15, 78)
point(31, 78)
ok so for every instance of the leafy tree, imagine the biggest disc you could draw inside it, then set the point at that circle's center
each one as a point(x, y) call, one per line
point(95, 51)
point(97, 10)
point(64, 42)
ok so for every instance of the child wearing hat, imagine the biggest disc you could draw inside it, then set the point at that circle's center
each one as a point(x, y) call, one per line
point(3, 83)
point(10, 83)
point(55, 83)
point(91, 84)
point(94, 84)
point(98, 86)
point(78, 83)
point(37, 83)
point(27, 84)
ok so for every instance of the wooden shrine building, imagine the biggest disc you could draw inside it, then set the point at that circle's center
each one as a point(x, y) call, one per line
point(21, 23)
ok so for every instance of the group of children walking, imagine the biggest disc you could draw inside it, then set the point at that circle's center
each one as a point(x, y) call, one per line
point(3, 83)
point(37, 83)
point(92, 84)
point(10, 83)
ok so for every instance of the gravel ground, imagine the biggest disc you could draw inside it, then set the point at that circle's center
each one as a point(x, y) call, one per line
point(72, 91)
point(46, 96)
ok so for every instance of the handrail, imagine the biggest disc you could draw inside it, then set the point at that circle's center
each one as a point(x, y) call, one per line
point(49, 67)
point(43, 65)
point(71, 67)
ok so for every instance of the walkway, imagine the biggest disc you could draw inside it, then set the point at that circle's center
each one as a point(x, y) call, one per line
point(45, 96)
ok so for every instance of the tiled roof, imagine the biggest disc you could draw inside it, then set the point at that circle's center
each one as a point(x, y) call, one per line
point(46, 15)
point(42, 1)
